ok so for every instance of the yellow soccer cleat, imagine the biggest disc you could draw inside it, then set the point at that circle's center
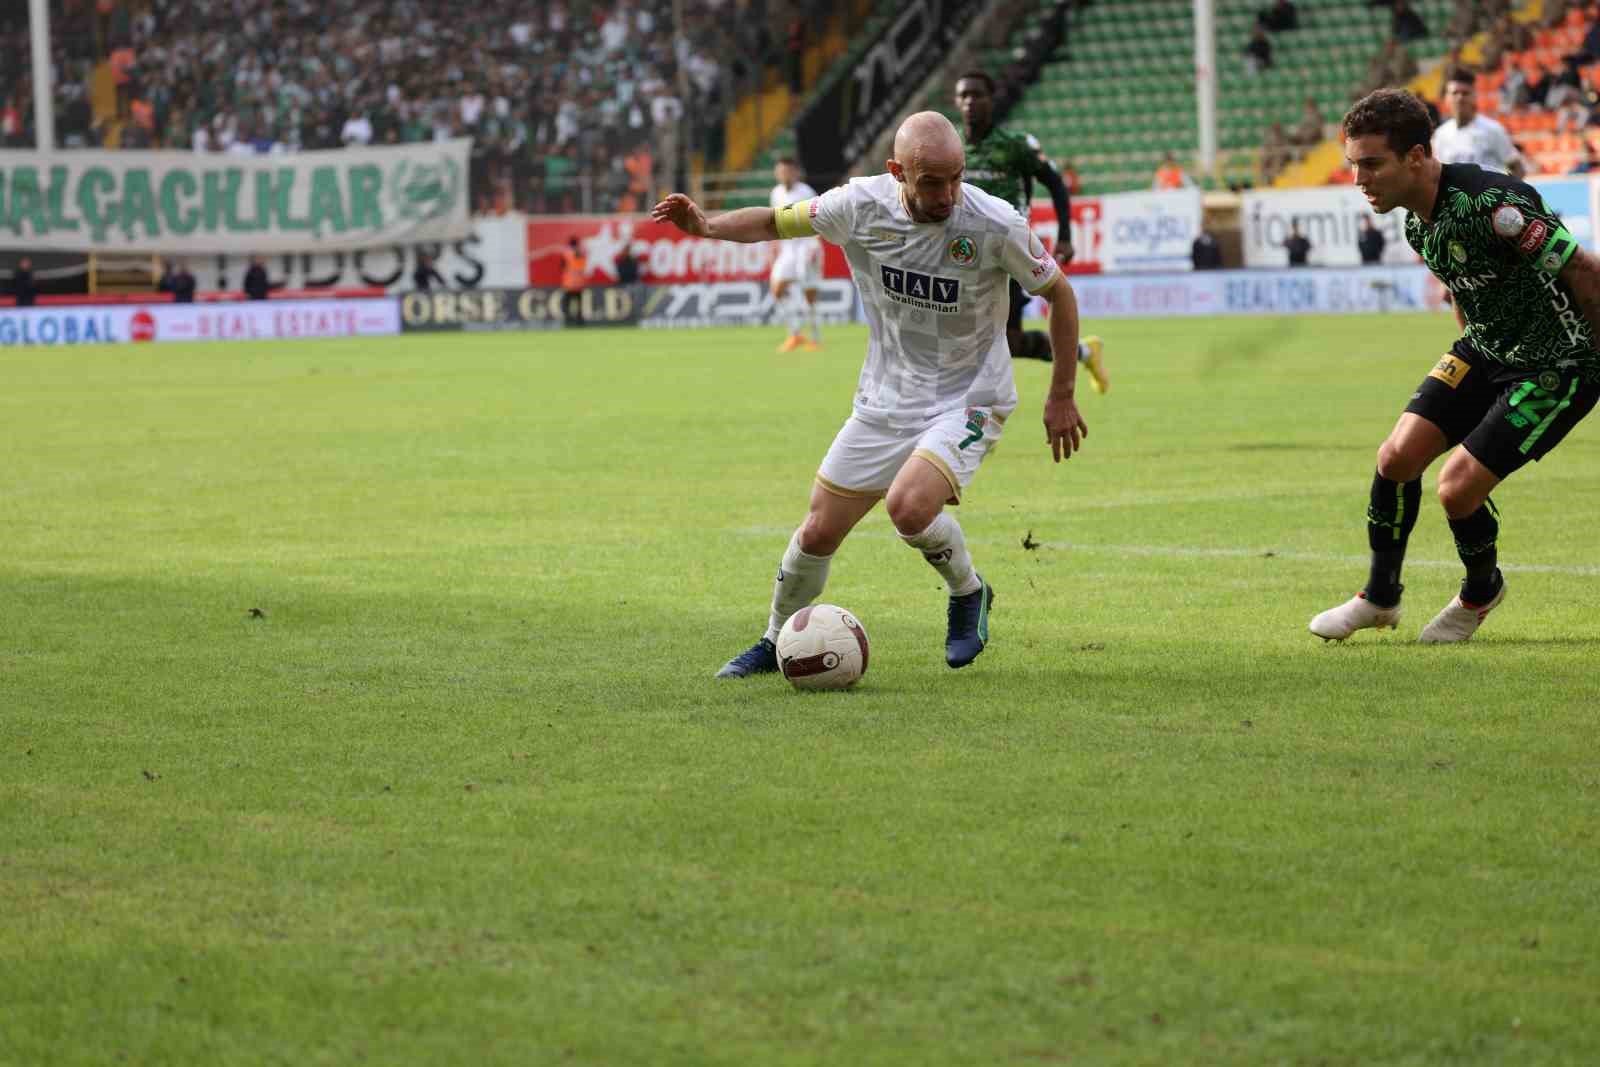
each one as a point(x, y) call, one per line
point(811, 346)
point(1096, 365)
point(790, 343)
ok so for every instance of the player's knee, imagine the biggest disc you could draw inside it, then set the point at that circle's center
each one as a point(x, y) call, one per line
point(817, 538)
point(1398, 463)
point(1458, 495)
point(910, 513)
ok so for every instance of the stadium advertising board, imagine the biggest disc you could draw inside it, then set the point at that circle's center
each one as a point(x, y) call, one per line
point(1126, 232)
point(1330, 217)
point(534, 308)
point(183, 202)
point(243, 320)
point(1256, 292)
point(657, 306)
point(1119, 232)
point(836, 130)
point(494, 255)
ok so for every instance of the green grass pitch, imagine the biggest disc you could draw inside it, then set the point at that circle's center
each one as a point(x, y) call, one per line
point(356, 706)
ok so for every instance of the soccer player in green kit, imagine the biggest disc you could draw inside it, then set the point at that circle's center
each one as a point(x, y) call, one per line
point(1005, 164)
point(1521, 376)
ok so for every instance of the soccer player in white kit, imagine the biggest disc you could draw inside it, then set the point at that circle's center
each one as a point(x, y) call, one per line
point(1467, 136)
point(932, 259)
point(799, 262)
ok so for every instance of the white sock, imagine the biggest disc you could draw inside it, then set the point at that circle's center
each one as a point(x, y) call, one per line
point(1084, 352)
point(943, 546)
point(796, 302)
point(800, 580)
point(811, 320)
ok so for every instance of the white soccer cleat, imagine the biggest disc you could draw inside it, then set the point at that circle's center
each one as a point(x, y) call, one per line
point(1357, 613)
point(1459, 620)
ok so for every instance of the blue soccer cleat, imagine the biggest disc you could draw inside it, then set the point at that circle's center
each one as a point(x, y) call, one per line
point(969, 625)
point(759, 658)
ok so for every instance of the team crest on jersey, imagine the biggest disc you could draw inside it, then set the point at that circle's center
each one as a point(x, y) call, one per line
point(1458, 252)
point(1508, 221)
point(1551, 262)
point(1549, 381)
point(963, 250)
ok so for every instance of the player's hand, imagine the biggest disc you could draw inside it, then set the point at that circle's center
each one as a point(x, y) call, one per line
point(1064, 252)
point(1064, 428)
point(683, 213)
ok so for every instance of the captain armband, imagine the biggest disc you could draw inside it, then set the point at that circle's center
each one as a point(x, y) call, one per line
point(794, 220)
point(1556, 251)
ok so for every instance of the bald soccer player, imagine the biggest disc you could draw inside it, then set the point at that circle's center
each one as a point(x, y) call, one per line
point(932, 258)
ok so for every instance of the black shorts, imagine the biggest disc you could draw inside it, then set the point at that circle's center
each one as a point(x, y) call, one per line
point(1019, 300)
point(1504, 416)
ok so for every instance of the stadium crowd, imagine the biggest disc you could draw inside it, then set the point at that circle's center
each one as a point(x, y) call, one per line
point(571, 104)
point(593, 104)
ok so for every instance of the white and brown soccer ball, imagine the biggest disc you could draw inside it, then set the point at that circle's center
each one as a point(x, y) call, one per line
point(822, 647)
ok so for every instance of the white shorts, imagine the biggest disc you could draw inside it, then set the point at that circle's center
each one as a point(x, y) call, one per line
point(865, 456)
point(799, 262)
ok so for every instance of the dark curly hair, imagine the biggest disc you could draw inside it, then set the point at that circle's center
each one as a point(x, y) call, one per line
point(1398, 114)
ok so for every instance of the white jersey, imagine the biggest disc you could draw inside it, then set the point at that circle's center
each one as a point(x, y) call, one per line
point(1482, 141)
point(935, 296)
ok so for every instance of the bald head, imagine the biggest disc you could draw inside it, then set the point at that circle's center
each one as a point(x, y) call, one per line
point(927, 136)
point(928, 162)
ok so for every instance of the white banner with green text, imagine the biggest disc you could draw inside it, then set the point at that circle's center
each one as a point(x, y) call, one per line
point(182, 202)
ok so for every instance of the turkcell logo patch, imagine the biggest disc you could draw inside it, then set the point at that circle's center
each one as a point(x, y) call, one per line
point(922, 290)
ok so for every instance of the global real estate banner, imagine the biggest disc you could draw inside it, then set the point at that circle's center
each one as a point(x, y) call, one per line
point(176, 203)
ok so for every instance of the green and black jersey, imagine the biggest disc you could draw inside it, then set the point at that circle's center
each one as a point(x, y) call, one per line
point(1001, 164)
point(1498, 249)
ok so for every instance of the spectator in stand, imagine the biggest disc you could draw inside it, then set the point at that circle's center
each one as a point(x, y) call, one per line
point(424, 277)
point(22, 284)
point(1258, 52)
point(1408, 25)
point(1275, 154)
point(256, 286)
point(1572, 116)
point(1169, 175)
point(1513, 88)
point(1206, 252)
point(1370, 242)
point(1590, 163)
point(1468, 137)
point(1279, 17)
point(1309, 130)
point(1296, 245)
point(177, 279)
point(1589, 48)
point(1565, 84)
point(1392, 66)
point(1507, 37)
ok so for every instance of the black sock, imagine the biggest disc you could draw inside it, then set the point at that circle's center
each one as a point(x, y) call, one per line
point(1037, 345)
point(1475, 543)
point(1391, 513)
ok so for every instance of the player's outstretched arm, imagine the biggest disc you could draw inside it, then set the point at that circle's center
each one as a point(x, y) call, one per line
point(1064, 428)
point(1582, 275)
point(747, 225)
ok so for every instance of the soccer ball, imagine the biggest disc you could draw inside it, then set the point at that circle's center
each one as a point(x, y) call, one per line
point(822, 647)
